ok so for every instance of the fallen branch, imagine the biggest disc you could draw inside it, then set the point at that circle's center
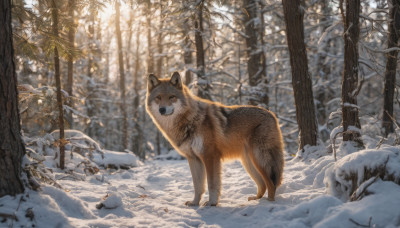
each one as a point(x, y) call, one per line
point(9, 216)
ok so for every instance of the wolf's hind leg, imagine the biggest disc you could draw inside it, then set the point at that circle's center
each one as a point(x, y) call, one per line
point(255, 175)
point(199, 179)
point(261, 163)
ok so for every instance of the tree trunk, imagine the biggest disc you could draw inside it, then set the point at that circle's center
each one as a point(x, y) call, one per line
point(301, 79)
point(187, 52)
point(204, 86)
point(12, 148)
point(350, 74)
point(107, 105)
point(159, 65)
point(122, 78)
point(391, 64)
point(70, 68)
point(54, 16)
point(150, 56)
point(150, 61)
point(256, 66)
point(159, 44)
point(91, 93)
point(323, 70)
point(137, 142)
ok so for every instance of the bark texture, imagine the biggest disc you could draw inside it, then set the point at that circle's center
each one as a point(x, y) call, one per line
point(301, 79)
point(203, 83)
point(187, 52)
point(12, 148)
point(137, 142)
point(350, 75)
point(256, 66)
point(391, 65)
point(70, 63)
point(54, 16)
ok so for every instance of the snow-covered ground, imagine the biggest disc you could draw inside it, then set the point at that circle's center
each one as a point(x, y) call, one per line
point(102, 188)
point(153, 195)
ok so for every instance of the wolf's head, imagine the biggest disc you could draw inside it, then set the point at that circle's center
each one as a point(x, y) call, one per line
point(165, 97)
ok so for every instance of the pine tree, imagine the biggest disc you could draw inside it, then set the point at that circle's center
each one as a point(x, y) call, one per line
point(12, 148)
point(301, 78)
point(350, 74)
point(391, 65)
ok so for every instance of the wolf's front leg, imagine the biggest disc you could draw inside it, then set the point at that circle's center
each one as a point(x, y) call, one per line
point(213, 169)
point(199, 179)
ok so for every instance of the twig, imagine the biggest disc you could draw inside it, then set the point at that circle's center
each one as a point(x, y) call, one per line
point(139, 186)
point(355, 197)
point(334, 142)
point(397, 126)
point(369, 184)
point(342, 11)
point(9, 216)
point(358, 224)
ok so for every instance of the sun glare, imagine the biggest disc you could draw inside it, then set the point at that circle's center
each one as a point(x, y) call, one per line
point(107, 11)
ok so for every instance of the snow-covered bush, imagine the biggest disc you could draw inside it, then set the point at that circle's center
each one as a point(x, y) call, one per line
point(82, 153)
point(353, 173)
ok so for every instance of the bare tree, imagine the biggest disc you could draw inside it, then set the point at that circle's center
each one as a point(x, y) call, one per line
point(204, 86)
point(150, 61)
point(187, 52)
point(256, 66)
point(350, 87)
point(160, 41)
point(301, 79)
point(137, 142)
point(122, 77)
point(391, 64)
point(12, 148)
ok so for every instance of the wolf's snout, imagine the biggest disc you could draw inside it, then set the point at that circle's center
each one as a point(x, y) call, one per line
point(162, 110)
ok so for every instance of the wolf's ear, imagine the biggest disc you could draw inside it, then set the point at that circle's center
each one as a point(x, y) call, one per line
point(176, 80)
point(152, 81)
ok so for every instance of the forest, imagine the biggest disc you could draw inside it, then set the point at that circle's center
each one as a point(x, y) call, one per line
point(78, 149)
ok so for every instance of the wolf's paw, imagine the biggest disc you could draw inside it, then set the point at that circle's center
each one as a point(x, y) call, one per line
point(191, 204)
point(208, 204)
point(270, 199)
point(253, 198)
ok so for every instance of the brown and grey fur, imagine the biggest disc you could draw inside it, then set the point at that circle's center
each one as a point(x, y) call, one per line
point(206, 133)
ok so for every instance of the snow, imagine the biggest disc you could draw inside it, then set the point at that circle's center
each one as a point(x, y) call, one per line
point(152, 194)
point(337, 176)
point(119, 159)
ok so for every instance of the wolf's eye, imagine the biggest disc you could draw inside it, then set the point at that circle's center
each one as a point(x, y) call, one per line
point(158, 97)
point(172, 97)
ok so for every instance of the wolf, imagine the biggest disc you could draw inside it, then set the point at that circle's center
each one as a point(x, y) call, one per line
point(207, 133)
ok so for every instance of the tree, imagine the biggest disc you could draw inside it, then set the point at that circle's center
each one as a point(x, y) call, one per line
point(391, 64)
point(54, 17)
point(122, 77)
point(322, 69)
point(70, 73)
point(137, 142)
point(12, 148)
point(256, 66)
point(160, 42)
point(187, 51)
point(301, 79)
point(150, 60)
point(350, 121)
point(204, 87)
